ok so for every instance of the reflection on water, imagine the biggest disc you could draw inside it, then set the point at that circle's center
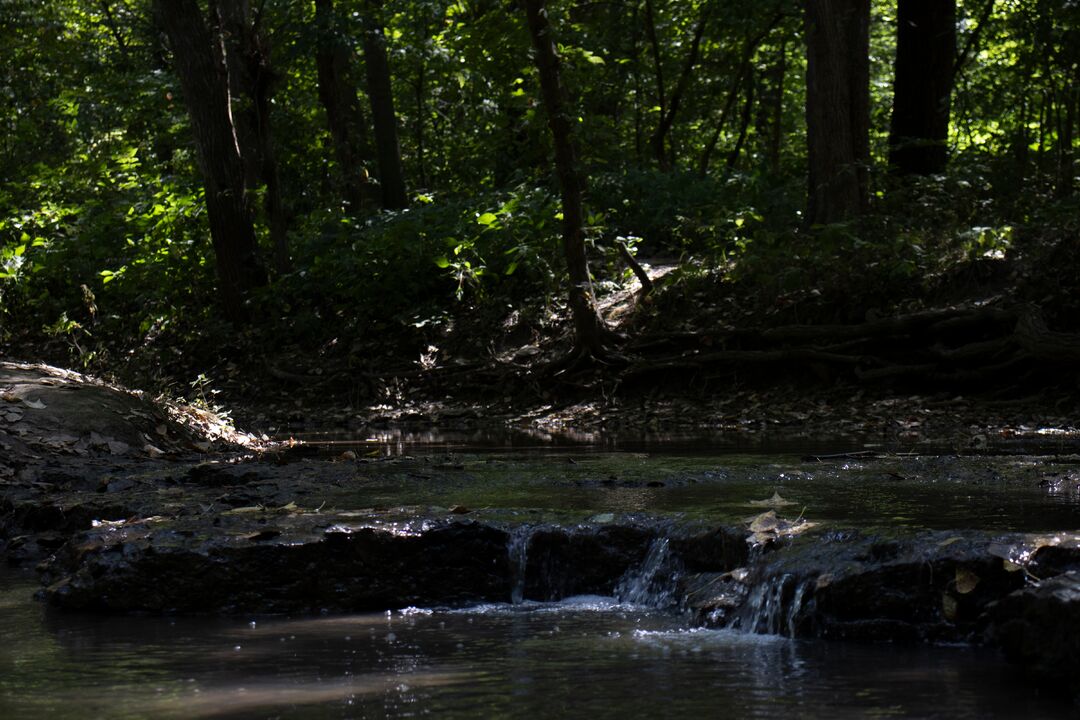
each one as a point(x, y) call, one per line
point(400, 440)
point(586, 657)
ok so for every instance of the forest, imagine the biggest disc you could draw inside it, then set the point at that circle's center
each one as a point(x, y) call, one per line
point(539, 358)
point(359, 199)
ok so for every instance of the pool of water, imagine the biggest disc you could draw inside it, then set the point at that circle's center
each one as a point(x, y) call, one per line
point(1027, 494)
point(581, 658)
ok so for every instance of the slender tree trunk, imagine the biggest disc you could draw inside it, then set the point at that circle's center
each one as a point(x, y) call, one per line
point(251, 79)
point(776, 134)
point(639, 89)
point(837, 108)
point(744, 123)
point(1066, 131)
point(420, 100)
point(733, 92)
point(205, 83)
point(658, 65)
point(344, 113)
point(667, 118)
point(380, 93)
point(590, 332)
point(922, 90)
point(114, 29)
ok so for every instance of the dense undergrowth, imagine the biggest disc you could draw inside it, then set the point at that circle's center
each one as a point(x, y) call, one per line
point(459, 279)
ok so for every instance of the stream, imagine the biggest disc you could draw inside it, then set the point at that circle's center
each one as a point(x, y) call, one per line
point(629, 654)
point(585, 657)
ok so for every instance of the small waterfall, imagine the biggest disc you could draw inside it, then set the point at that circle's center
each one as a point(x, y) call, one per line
point(653, 582)
point(517, 551)
point(773, 606)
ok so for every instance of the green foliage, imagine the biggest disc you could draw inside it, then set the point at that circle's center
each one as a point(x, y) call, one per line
point(105, 255)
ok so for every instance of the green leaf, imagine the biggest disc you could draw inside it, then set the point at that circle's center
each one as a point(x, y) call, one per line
point(487, 219)
point(442, 262)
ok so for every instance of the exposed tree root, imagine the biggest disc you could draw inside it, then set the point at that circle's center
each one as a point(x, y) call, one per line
point(983, 346)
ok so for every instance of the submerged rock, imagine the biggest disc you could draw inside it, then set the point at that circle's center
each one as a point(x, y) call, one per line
point(1038, 628)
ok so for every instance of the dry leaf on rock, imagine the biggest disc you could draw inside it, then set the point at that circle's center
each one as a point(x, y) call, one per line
point(152, 451)
point(966, 581)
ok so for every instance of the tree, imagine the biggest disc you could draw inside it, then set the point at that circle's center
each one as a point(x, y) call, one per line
point(344, 114)
point(922, 89)
point(837, 108)
point(668, 110)
point(251, 80)
point(380, 93)
point(204, 79)
point(590, 333)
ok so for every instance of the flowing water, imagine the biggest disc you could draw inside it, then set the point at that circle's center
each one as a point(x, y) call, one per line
point(587, 657)
point(628, 656)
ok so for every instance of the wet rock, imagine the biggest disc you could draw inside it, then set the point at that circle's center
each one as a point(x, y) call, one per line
point(712, 598)
point(296, 566)
point(1038, 627)
point(216, 474)
point(587, 560)
point(928, 588)
point(713, 550)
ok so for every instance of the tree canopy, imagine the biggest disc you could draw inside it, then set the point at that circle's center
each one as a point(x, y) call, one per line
point(185, 182)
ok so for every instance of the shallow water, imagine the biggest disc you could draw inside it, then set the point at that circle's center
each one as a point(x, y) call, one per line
point(582, 658)
point(589, 658)
point(998, 494)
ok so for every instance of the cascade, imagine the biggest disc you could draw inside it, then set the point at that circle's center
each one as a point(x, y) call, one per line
point(653, 583)
point(517, 551)
point(773, 606)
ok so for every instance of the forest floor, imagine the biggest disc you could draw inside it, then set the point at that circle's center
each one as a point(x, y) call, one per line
point(968, 374)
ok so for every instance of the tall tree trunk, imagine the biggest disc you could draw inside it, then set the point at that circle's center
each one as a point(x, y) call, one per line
point(837, 108)
point(744, 123)
point(1066, 133)
point(590, 332)
point(344, 113)
point(658, 65)
point(420, 101)
point(667, 117)
point(922, 90)
point(251, 80)
point(776, 130)
point(205, 83)
point(380, 93)
point(639, 88)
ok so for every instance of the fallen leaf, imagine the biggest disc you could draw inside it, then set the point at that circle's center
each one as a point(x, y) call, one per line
point(35, 404)
point(948, 606)
point(966, 581)
point(1010, 566)
point(244, 510)
point(774, 502)
point(460, 510)
point(764, 522)
point(950, 541)
point(152, 451)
